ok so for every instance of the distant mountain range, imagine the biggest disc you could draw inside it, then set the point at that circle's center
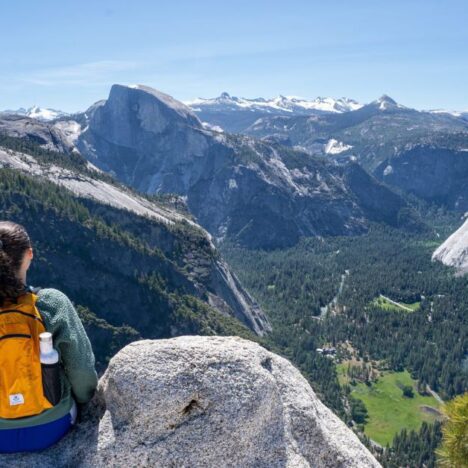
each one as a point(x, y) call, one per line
point(290, 104)
point(295, 167)
point(234, 114)
point(36, 112)
point(461, 114)
point(422, 152)
point(259, 193)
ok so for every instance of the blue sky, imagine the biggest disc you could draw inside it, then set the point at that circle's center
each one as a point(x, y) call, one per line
point(67, 54)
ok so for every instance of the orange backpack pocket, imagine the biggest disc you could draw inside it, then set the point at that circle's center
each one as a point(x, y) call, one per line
point(21, 392)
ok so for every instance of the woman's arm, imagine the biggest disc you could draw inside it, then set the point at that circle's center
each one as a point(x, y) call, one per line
point(71, 342)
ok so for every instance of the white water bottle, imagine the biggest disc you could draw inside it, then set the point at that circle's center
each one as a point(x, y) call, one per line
point(48, 354)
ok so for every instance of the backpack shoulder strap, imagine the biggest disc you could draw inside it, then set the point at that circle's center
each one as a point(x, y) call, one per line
point(31, 299)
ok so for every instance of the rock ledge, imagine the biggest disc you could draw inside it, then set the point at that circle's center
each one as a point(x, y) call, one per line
point(199, 401)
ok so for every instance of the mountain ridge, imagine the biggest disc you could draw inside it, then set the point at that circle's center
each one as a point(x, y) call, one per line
point(280, 103)
point(288, 104)
point(236, 186)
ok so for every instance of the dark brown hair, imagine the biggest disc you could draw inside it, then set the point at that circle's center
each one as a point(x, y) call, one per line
point(14, 241)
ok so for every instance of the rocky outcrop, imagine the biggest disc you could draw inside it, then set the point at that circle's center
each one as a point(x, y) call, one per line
point(454, 251)
point(204, 402)
point(260, 194)
point(49, 136)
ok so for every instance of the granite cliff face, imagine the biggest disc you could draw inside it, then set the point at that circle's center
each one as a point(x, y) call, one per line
point(51, 136)
point(434, 173)
point(454, 251)
point(256, 192)
point(141, 135)
point(204, 402)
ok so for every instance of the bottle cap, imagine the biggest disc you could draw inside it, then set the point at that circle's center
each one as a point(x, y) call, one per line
point(45, 337)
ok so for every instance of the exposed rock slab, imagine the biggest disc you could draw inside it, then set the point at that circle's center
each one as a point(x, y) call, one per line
point(49, 136)
point(205, 401)
point(454, 251)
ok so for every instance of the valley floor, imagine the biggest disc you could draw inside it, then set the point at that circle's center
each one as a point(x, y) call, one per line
point(389, 411)
point(394, 306)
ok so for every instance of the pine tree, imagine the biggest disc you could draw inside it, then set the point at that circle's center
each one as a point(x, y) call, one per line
point(454, 450)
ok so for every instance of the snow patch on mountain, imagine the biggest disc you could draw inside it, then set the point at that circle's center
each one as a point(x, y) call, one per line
point(388, 170)
point(43, 113)
point(214, 128)
point(336, 147)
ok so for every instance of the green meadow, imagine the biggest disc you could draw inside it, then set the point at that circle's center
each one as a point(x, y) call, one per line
point(388, 410)
point(394, 306)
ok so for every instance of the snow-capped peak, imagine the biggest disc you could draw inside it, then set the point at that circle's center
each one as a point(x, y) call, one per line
point(43, 113)
point(386, 102)
point(290, 104)
point(36, 112)
point(330, 105)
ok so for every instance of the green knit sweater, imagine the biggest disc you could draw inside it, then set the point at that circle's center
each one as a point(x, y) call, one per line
point(79, 379)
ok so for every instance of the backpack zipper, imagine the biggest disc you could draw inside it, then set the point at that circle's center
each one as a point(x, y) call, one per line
point(15, 311)
point(15, 335)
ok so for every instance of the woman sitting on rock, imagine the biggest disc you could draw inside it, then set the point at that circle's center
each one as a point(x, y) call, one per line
point(46, 360)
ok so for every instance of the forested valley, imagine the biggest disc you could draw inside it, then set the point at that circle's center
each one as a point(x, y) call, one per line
point(324, 297)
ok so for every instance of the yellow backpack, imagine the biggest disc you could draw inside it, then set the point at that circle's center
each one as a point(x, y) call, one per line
point(21, 391)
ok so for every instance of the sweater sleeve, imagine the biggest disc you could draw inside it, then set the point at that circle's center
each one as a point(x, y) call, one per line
point(71, 342)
